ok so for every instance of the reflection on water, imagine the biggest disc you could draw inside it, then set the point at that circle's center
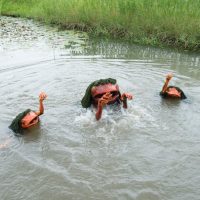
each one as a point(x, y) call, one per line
point(182, 62)
point(149, 151)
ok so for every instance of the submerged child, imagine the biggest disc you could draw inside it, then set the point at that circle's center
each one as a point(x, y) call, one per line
point(104, 92)
point(28, 118)
point(171, 91)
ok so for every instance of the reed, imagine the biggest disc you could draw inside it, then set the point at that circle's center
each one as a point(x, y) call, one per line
point(156, 22)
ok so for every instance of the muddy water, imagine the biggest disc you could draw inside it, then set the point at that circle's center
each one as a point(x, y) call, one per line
point(150, 151)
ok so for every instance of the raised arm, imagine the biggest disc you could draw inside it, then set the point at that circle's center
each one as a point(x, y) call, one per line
point(42, 97)
point(124, 98)
point(101, 103)
point(168, 78)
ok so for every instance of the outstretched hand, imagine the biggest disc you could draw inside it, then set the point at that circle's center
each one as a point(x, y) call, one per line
point(42, 96)
point(169, 76)
point(5, 144)
point(105, 99)
point(126, 96)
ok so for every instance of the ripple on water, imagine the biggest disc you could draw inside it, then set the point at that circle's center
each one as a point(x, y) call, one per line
point(149, 151)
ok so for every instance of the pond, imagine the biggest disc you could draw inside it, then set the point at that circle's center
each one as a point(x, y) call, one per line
point(149, 151)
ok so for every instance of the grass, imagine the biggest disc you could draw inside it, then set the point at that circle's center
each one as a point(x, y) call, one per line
point(174, 23)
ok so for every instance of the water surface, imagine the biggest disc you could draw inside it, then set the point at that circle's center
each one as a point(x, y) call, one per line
point(150, 151)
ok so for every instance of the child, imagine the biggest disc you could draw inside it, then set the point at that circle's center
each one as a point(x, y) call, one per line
point(28, 118)
point(104, 92)
point(171, 91)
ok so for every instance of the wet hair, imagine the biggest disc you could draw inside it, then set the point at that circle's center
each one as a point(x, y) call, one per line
point(16, 126)
point(166, 95)
point(87, 99)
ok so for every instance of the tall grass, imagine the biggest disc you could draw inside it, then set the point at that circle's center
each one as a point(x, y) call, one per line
point(156, 22)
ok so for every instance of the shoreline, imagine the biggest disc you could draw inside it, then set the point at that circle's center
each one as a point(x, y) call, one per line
point(123, 22)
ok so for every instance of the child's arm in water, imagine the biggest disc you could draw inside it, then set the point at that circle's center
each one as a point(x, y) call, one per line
point(102, 102)
point(124, 98)
point(168, 78)
point(5, 144)
point(42, 97)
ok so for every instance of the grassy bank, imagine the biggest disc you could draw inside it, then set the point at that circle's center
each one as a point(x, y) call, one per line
point(174, 23)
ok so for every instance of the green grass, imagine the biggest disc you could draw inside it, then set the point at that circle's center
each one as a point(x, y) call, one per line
point(174, 23)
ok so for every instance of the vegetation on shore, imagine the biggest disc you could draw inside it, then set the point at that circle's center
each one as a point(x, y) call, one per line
point(174, 23)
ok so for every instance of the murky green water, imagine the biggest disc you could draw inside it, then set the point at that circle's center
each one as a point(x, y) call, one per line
point(151, 151)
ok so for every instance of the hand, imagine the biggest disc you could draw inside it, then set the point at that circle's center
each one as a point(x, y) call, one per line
point(42, 96)
point(169, 76)
point(126, 96)
point(5, 144)
point(105, 99)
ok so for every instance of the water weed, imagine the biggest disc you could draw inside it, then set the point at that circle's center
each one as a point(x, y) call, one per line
point(155, 22)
